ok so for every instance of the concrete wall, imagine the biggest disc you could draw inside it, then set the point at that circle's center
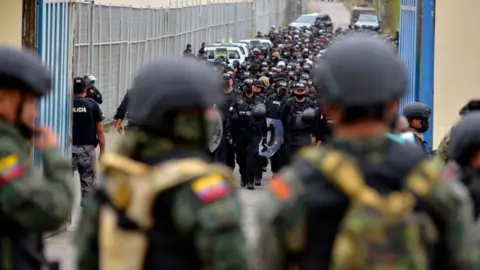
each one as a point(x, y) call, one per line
point(457, 60)
point(11, 22)
point(163, 3)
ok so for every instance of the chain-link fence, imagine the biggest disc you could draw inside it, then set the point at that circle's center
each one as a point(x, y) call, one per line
point(113, 42)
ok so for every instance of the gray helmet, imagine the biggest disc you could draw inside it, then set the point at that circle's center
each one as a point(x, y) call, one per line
point(465, 139)
point(172, 84)
point(23, 71)
point(416, 110)
point(360, 70)
point(89, 79)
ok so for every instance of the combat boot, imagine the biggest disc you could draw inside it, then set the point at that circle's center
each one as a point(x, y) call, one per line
point(250, 186)
point(243, 183)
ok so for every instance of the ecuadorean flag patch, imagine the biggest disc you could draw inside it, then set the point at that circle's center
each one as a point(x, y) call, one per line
point(210, 187)
point(10, 168)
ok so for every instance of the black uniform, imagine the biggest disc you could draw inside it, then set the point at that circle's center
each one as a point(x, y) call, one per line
point(95, 94)
point(121, 113)
point(274, 111)
point(246, 134)
point(225, 153)
point(296, 134)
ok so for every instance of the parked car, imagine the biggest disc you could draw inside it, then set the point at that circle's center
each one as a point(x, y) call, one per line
point(231, 53)
point(257, 43)
point(367, 21)
point(309, 20)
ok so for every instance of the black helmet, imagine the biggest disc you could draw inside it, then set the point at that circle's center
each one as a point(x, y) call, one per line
point(23, 71)
point(172, 84)
point(465, 139)
point(416, 110)
point(259, 113)
point(472, 105)
point(360, 70)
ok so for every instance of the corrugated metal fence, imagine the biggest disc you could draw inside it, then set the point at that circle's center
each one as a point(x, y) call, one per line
point(409, 47)
point(55, 43)
point(113, 42)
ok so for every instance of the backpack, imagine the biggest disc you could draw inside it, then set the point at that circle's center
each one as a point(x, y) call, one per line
point(378, 232)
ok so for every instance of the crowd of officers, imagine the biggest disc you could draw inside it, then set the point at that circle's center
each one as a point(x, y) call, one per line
point(347, 193)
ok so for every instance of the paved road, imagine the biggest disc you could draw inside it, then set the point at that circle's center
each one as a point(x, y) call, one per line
point(337, 11)
point(60, 248)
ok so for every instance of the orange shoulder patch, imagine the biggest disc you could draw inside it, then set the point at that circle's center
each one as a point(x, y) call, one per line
point(280, 188)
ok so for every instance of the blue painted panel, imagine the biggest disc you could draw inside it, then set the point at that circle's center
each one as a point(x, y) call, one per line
point(428, 46)
point(408, 49)
point(54, 39)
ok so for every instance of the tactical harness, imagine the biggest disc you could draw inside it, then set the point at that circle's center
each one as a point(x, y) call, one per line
point(130, 191)
point(378, 231)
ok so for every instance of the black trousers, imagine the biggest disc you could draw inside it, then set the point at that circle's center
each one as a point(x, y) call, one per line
point(275, 161)
point(246, 151)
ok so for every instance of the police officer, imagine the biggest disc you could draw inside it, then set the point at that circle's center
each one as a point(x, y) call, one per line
point(92, 91)
point(224, 153)
point(258, 90)
point(87, 133)
point(471, 106)
point(417, 115)
point(163, 206)
point(121, 114)
point(31, 201)
point(274, 112)
point(298, 118)
point(326, 205)
point(246, 126)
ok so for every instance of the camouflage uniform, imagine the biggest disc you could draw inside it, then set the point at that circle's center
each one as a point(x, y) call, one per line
point(335, 194)
point(162, 205)
point(443, 146)
point(83, 160)
point(31, 201)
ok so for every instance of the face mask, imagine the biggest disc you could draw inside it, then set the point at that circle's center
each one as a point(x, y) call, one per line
point(299, 96)
point(249, 91)
point(424, 127)
point(282, 92)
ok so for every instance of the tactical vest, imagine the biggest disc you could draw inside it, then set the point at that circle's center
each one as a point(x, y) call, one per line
point(331, 204)
point(138, 191)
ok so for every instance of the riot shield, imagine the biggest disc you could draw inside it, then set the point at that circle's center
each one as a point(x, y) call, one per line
point(217, 135)
point(270, 144)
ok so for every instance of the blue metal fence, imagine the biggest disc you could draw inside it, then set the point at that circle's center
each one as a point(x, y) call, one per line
point(55, 45)
point(428, 46)
point(408, 47)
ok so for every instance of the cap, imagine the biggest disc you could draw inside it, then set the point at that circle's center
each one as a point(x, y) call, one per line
point(79, 84)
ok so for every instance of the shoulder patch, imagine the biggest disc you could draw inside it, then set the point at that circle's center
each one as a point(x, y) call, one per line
point(210, 187)
point(280, 188)
point(10, 168)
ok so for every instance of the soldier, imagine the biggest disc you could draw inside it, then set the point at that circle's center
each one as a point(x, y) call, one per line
point(351, 204)
point(417, 115)
point(31, 202)
point(162, 205)
point(464, 165)
point(472, 105)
